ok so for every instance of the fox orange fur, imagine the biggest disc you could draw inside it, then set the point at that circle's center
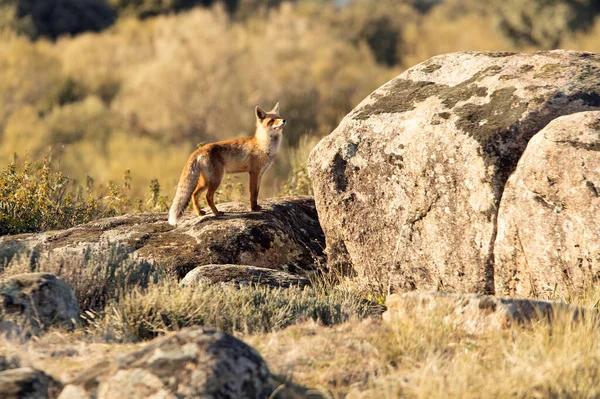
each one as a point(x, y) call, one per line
point(206, 166)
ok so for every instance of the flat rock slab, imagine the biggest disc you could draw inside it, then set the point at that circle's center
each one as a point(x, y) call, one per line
point(242, 275)
point(192, 363)
point(474, 313)
point(285, 235)
point(408, 186)
point(548, 240)
point(34, 302)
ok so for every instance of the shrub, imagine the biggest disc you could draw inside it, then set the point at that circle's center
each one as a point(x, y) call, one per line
point(36, 197)
point(96, 275)
point(545, 24)
point(53, 18)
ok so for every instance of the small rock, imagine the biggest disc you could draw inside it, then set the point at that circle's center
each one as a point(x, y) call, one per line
point(37, 301)
point(242, 275)
point(473, 313)
point(27, 383)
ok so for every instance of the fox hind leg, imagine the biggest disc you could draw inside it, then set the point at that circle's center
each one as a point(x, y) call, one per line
point(214, 180)
point(199, 189)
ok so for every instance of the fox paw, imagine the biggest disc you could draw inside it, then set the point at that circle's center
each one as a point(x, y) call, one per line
point(256, 208)
point(219, 213)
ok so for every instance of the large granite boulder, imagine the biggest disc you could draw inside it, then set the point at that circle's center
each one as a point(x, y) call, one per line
point(34, 302)
point(548, 239)
point(285, 235)
point(409, 185)
point(192, 363)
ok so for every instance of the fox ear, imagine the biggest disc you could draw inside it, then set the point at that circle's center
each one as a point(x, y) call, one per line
point(260, 113)
point(275, 109)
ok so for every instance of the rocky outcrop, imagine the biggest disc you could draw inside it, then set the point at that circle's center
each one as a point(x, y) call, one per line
point(474, 313)
point(409, 184)
point(34, 302)
point(192, 363)
point(285, 235)
point(241, 275)
point(27, 383)
point(548, 236)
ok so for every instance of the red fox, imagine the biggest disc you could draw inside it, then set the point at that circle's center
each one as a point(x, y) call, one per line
point(206, 166)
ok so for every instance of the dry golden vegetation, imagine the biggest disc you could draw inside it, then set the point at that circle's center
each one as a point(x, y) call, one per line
point(134, 88)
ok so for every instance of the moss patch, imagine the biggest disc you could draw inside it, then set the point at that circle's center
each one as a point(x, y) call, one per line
point(497, 54)
point(431, 68)
point(525, 68)
point(403, 95)
point(549, 70)
point(503, 111)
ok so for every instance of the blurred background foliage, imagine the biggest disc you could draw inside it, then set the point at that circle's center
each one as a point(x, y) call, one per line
point(101, 87)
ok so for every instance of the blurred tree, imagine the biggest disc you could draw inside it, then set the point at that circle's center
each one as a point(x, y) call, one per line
point(424, 5)
point(149, 8)
point(53, 18)
point(378, 23)
point(545, 23)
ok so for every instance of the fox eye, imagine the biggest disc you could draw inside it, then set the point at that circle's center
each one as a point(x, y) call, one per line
point(270, 123)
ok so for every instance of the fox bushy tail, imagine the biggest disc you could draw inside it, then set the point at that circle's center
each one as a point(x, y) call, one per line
point(185, 187)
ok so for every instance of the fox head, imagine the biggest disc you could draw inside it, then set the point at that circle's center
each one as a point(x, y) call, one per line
point(270, 121)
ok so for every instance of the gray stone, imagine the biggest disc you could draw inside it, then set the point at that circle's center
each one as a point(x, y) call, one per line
point(409, 184)
point(285, 235)
point(548, 241)
point(37, 301)
point(242, 275)
point(192, 363)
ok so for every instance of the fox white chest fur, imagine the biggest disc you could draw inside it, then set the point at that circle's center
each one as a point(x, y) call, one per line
point(269, 143)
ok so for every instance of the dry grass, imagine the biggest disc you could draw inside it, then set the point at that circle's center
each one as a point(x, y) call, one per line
point(414, 358)
point(428, 359)
point(143, 314)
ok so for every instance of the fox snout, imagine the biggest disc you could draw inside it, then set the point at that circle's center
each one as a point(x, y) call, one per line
point(280, 125)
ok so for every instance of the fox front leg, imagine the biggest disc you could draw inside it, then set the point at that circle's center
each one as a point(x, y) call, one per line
point(255, 178)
